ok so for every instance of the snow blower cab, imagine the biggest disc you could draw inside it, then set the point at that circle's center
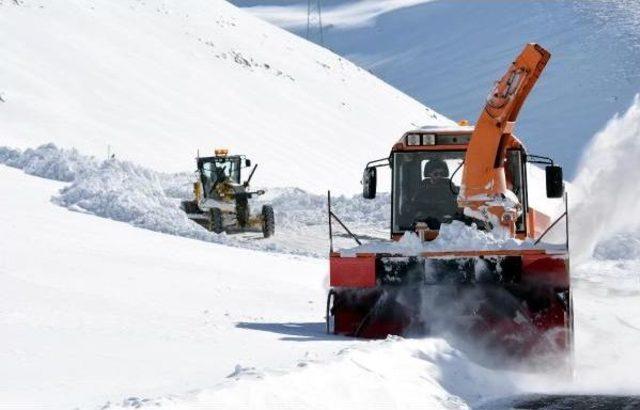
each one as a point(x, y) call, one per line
point(471, 182)
point(221, 199)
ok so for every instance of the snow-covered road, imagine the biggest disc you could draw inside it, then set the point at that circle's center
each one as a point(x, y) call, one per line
point(93, 310)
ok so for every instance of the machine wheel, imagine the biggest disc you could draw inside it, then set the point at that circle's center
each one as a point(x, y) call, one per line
point(242, 210)
point(191, 207)
point(215, 220)
point(268, 221)
point(331, 329)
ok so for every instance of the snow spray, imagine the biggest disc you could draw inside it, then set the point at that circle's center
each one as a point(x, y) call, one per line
point(607, 184)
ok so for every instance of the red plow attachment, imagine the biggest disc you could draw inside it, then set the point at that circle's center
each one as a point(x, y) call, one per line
point(518, 301)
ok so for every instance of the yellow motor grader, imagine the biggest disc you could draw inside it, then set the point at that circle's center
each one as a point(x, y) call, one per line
point(221, 200)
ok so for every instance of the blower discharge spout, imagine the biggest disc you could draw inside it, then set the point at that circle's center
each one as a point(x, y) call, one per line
point(484, 192)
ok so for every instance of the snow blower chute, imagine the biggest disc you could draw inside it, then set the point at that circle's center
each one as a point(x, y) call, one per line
point(517, 298)
point(221, 200)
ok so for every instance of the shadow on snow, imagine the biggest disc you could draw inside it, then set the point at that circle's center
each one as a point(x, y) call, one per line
point(293, 331)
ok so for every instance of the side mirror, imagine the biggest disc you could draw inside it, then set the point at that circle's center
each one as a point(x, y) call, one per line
point(369, 183)
point(247, 162)
point(555, 183)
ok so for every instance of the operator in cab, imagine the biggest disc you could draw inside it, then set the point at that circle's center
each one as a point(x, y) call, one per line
point(435, 200)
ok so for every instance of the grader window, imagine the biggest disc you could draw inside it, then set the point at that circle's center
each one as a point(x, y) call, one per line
point(423, 189)
point(217, 169)
point(214, 170)
point(229, 167)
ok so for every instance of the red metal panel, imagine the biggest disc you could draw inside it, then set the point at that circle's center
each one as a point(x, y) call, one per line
point(348, 322)
point(546, 269)
point(357, 272)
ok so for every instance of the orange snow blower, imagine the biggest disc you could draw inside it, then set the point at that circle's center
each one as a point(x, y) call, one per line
point(519, 297)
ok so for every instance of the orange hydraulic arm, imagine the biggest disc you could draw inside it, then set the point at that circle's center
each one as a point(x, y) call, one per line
point(484, 193)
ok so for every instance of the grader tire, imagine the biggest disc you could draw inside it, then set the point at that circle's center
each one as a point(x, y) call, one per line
point(191, 207)
point(268, 221)
point(215, 220)
point(242, 211)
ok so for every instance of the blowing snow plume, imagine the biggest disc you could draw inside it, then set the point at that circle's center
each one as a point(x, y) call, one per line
point(607, 185)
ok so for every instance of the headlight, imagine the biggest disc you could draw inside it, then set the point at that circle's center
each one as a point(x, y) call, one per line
point(413, 139)
point(429, 139)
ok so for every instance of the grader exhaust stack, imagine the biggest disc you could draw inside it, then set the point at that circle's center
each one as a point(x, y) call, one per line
point(519, 297)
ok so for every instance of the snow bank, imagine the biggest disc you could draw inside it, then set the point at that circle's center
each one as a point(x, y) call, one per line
point(295, 206)
point(454, 236)
point(607, 191)
point(393, 373)
point(129, 193)
point(113, 189)
point(397, 373)
point(47, 161)
point(124, 192)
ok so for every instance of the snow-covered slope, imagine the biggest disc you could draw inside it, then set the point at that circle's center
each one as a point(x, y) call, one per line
point(155, 81)
point(447, 53)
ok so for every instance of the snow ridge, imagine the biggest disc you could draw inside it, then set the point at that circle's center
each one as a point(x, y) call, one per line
point(434, 368)
point(47, 161)
point(125, 192)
